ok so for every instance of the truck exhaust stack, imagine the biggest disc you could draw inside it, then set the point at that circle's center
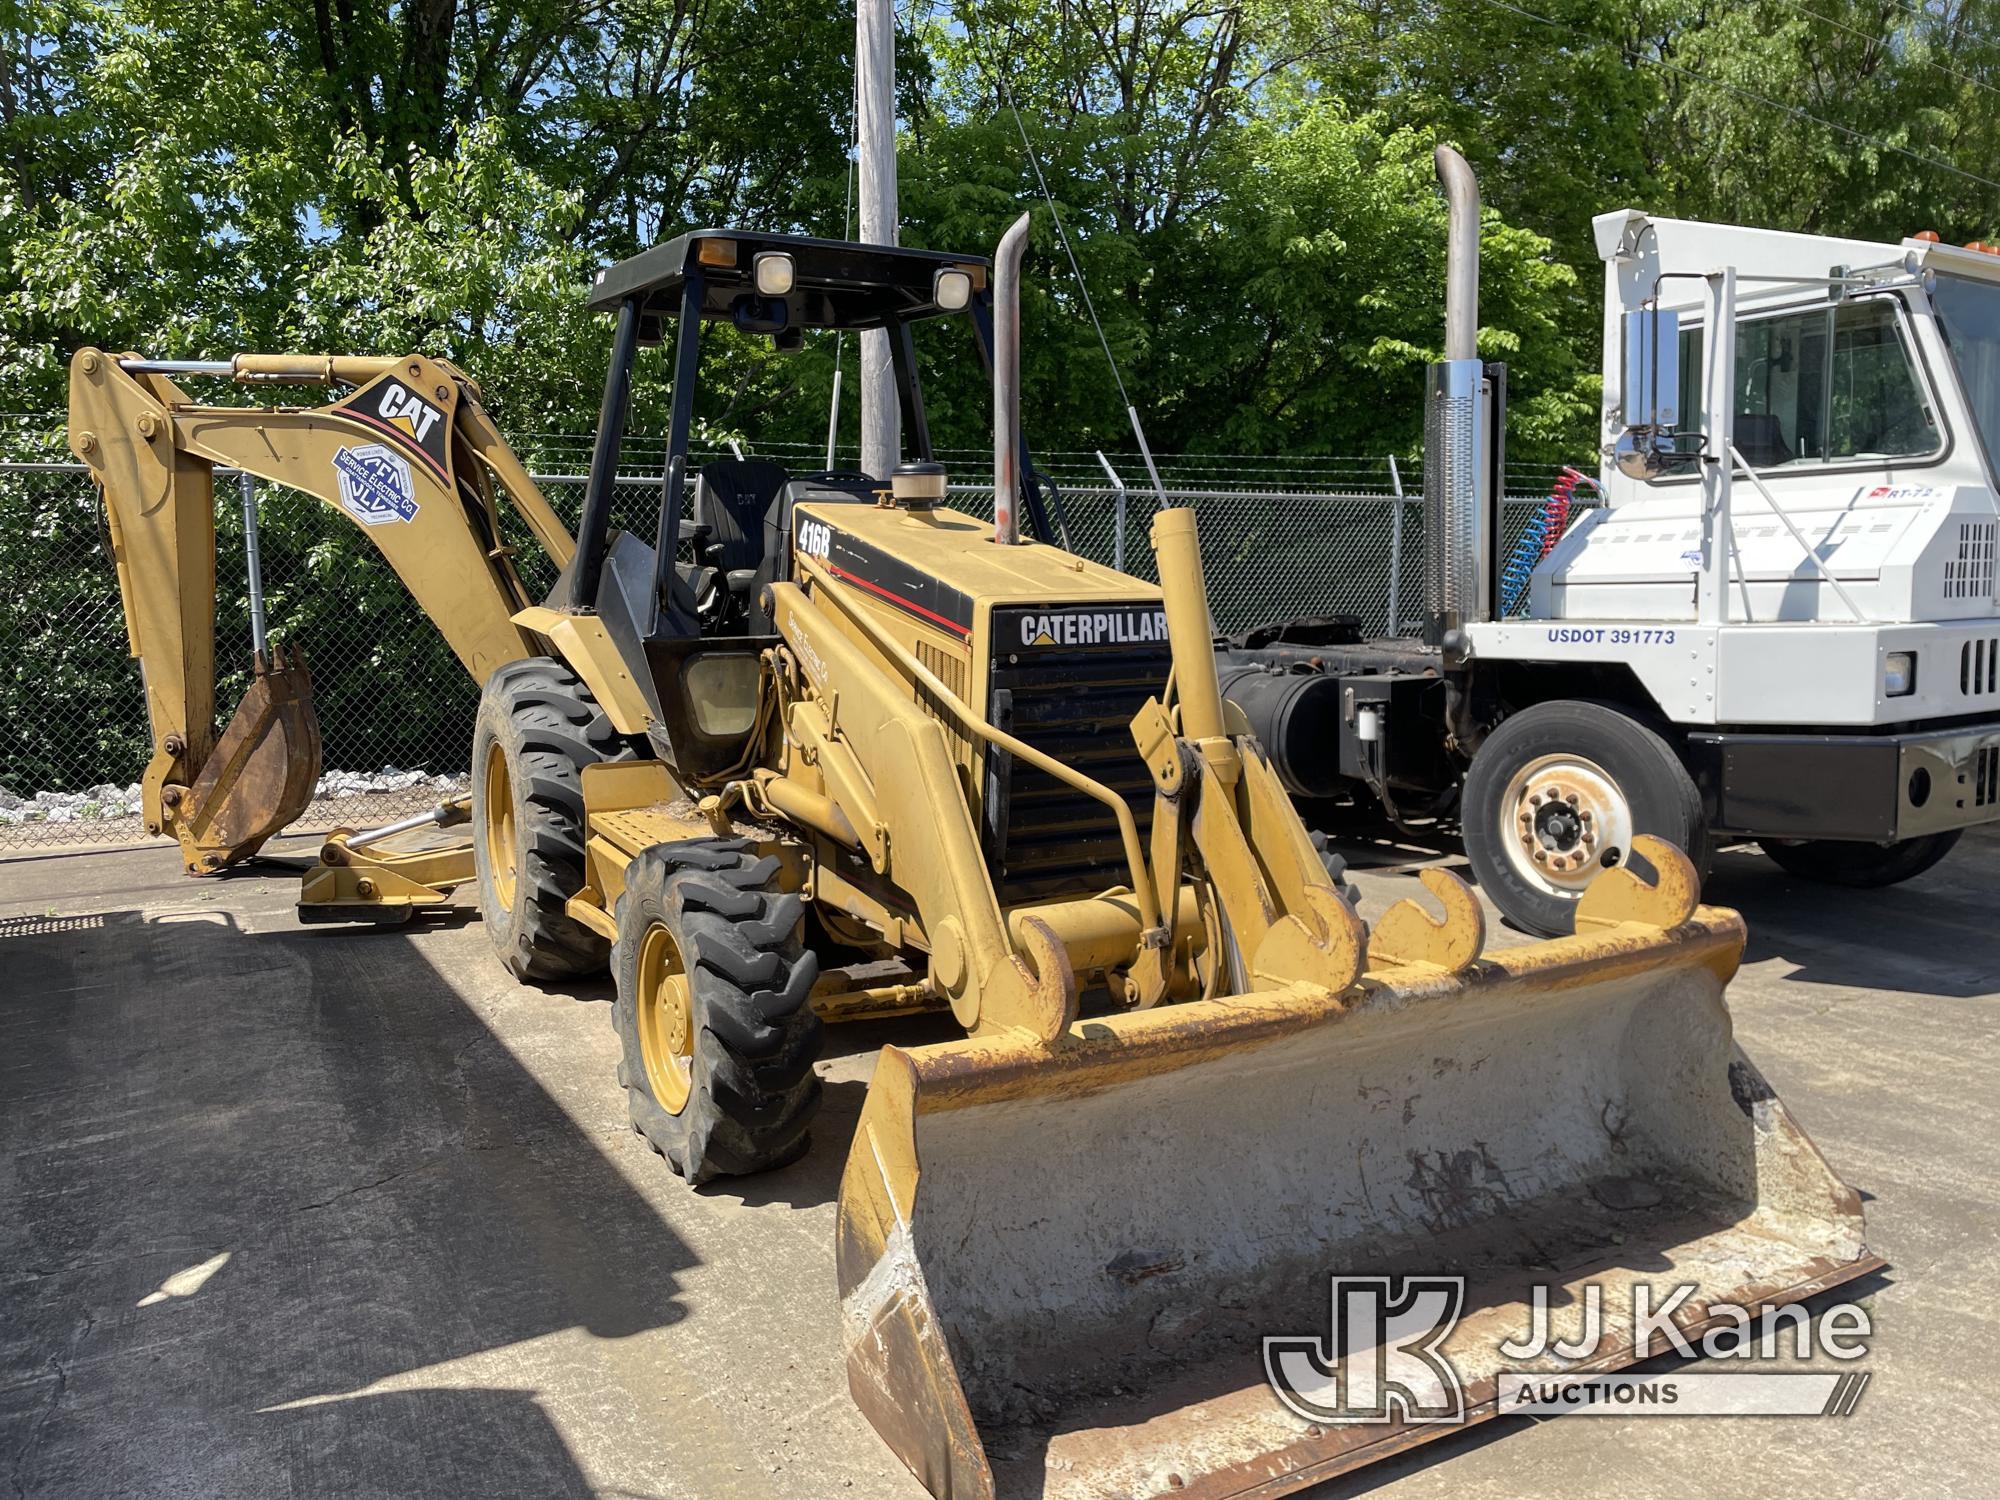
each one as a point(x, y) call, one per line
point(1463, 416)
point(1461, 284)
point(1007, 382)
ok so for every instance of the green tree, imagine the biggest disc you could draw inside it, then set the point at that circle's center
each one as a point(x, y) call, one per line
point(1266, 261)
point(1871, 118)
point(1245, 182)
point(438, 175)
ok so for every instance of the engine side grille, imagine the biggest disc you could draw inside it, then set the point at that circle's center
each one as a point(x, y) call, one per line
point(1979, 668)
point(949, 668)
point(1044, 839)
point(1969, 575)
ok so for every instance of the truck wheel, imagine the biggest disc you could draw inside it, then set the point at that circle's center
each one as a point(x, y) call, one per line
point(714, 1016)
point(538, 727)
point(1864, 866)
point(1555, 795)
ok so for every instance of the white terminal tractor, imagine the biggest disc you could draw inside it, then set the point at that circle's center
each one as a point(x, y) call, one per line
point(1783, 621)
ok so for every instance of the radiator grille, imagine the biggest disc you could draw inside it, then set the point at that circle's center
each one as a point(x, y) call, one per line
point(1043, 838)
point(1979, 668)
point(950, 669)
point(1986, 776)
point(1969, 575)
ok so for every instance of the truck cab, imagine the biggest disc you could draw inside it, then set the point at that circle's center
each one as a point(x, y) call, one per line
point(1797, 581)
point(1863, 418)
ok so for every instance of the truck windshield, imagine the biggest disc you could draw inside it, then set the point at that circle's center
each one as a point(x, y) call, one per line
point(1821, 386)
point(1970, 313)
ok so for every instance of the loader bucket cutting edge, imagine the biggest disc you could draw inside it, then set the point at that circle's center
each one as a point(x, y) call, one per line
point(1057, 1267)
point(264, 767)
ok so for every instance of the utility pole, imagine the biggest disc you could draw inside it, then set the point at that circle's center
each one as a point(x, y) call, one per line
point(875, 112)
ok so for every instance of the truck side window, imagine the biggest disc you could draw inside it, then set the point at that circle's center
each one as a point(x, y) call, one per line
point(1970, 313)
point(1827, 385)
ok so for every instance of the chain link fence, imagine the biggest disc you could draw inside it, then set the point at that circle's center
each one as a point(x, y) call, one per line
point(1280, 537)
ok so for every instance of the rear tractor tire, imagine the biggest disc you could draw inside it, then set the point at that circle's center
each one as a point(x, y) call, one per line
point(714, 1010)
point(538, 727)
point(1556, 794)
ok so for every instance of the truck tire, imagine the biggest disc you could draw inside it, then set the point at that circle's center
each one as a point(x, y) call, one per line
point(714, 1012)
point(538, 727)
point(1556, 793)
point(1863, 866)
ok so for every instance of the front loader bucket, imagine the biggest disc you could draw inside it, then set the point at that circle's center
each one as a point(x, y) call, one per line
point(1057, 1266)
point(262, 772)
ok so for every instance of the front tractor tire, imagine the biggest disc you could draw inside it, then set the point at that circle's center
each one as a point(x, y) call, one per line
point(714, 1016)
point(538, 727)
point(1556, 794)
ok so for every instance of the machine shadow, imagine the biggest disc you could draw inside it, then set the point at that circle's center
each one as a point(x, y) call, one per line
point(250, 1176)
point(490, 1442)
point(1944, 940)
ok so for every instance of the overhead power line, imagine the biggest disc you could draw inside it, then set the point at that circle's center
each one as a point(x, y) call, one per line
point(1062, 235)
point(999, 78)
point(1922, 12)
point(1883, 41)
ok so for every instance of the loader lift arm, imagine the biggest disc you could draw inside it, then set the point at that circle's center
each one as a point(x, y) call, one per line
point(406, 453)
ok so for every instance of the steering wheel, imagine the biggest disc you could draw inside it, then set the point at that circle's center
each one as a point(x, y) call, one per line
point(838, 476)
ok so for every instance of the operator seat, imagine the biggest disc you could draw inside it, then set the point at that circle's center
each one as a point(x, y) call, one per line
point(731, 498)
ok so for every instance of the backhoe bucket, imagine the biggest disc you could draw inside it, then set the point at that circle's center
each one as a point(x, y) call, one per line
point(1058, 1266)
point(262, 772)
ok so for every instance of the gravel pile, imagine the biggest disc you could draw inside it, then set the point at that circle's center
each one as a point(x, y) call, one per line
point(106, 802)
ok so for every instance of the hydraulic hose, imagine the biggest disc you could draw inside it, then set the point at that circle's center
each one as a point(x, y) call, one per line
point(1538, 539)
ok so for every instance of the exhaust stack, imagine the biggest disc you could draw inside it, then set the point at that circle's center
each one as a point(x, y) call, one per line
point(1007, 382)
point(1461, 277)
point(1464, 404)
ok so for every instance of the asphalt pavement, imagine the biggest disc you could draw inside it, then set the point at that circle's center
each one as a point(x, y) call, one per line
point(318, 1212)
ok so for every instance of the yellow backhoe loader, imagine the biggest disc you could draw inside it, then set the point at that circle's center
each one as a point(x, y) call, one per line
point(410, 457)
point(895, 757)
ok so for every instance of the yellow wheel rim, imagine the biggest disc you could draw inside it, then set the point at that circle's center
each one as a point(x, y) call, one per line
point(666, 1023)
point(501, 854)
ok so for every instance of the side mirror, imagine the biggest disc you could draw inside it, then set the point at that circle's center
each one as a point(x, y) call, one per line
point(1650, 446)
point(1652, 368)
point(1644, 454)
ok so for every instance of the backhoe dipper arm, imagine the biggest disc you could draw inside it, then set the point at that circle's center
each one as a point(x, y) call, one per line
point(484, 439)
point(407, 456)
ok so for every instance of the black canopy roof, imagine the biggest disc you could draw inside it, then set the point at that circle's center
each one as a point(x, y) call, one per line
point(836, 283)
